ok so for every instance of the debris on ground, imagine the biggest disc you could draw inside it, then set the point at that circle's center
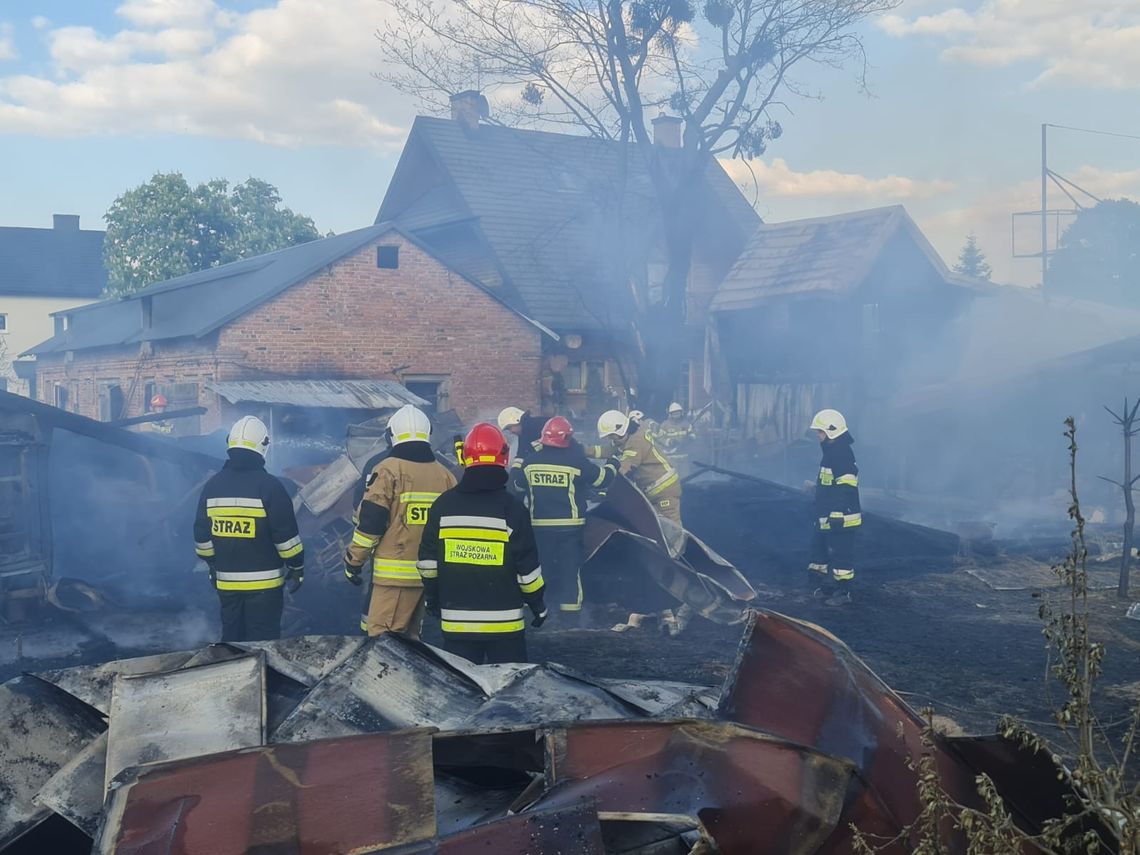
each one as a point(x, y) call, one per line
point(288, 743)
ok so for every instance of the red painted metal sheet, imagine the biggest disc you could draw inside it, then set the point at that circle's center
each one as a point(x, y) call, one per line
point(750, 792)
point(332, 796)
point(572, 831)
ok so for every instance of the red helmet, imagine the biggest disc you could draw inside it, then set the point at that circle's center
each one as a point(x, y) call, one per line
point(557, 432)
point(485, 446)
point(158, 401)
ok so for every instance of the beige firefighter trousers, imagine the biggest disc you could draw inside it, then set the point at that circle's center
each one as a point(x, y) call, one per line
point(395, 608)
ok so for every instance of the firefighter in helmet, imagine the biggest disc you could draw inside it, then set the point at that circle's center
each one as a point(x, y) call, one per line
point(526, 429)
point(645, 464)
point(478, 558)
point(674, 436)
point(390, 520)
point(157, 404)
point(246, 533)
point(557, 478)
point(837, 508)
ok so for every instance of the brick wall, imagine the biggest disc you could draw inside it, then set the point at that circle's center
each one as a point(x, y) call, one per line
point(352, 320)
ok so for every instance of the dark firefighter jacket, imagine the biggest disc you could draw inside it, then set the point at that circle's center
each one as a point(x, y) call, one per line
point(393, 510)
point(530, 432)
point(478, 557)
point(837, 487)
point(558, 481)
point(245, 528)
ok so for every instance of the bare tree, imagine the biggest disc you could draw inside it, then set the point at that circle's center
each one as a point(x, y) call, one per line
point(607, 66)
point(1126, 418)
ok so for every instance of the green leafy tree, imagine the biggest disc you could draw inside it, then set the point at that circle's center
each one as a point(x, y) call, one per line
point(1099, 255)
point(972, 261)
point(166, 228)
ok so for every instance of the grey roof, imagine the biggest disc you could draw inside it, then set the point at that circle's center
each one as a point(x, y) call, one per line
point(198, 303)
point(834, 254)
point(540, 216)
point(59, 262)
point(334, 394)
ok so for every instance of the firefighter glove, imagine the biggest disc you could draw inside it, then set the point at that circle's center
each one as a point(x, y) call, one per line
point(539, 619)
point(615, 462)
point(352, 573)
point(295, 578)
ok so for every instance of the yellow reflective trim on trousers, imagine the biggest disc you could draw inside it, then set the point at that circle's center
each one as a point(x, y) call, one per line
point(531, 587)
point(848, 480)
point(260, 585)
point(474, 533)
point(574, 521)
point(294, 550)
point(364, 540)
point(504, 626)
point(235, 512)
point(661, 484)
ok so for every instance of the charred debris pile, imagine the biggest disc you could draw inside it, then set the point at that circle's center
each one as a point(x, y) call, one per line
point(331, 744)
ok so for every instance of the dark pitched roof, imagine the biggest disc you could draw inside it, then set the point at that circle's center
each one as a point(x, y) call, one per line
point(535, 214)
point(834, 253)
point(57, 262)
point(198, 303)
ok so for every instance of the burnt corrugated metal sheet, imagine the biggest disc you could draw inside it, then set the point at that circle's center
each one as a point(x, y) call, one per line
point(333, 394)
point(354, 794)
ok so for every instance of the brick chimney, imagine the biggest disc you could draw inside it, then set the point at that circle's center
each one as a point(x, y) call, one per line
point(65, 222)
point(667, 131)
point(469, 107)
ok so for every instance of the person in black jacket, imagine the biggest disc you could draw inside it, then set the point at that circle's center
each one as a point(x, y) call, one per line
point(838, 513)
point(478, 558)
point(246, 532)
point(558, 478)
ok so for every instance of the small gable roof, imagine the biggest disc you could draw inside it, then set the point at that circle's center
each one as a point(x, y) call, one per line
point(546, 209)
point(824, 254)
point(57, 262)
point(199, 303)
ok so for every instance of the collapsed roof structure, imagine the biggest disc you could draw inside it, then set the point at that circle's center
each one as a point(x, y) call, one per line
point(336, 745)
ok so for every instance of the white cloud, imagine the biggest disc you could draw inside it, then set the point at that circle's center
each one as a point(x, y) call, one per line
point(8, 50)
point(40, 22)
point(777, 179)
point(1092, 42)
point(297, 72)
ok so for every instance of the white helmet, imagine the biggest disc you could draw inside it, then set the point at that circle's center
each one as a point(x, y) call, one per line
point(675, 408)
point(831, 422)
point(249, 432)
point(612, 423)
point(510, 416)
point(636, 416)
point(409, 424)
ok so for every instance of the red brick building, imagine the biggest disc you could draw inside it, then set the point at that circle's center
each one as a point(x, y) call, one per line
point(370, 304)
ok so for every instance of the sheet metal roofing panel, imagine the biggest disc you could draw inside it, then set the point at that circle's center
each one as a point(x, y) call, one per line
point(359, 794)
point(76, 792)
point(186, 713)
point(333, 394)
point(43, 729)
point(200, 302)
point(58, 262)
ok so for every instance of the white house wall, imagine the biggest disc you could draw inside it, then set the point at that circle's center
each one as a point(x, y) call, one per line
point(29, 322)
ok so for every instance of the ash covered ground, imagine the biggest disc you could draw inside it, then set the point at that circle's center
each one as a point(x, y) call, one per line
point(930, 622)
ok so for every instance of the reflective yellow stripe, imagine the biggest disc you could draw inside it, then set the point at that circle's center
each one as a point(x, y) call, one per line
point(662, 483)
point(364, 540)
point(205, 553)
point(531, 587)
point(848, 480)
point(505, 626)
point(475, 533)
point(429, 574)
point(574, 521)
point(418, 497)
point(235, 512)
point(826, 476)
point(260, 585)
point(394, 568)
point(289, 553)
point(843, 575)
point(852, 520)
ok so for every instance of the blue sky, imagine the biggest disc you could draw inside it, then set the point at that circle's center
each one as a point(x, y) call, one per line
point(97, 96)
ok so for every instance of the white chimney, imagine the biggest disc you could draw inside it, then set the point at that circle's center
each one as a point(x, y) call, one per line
point(667, 131)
